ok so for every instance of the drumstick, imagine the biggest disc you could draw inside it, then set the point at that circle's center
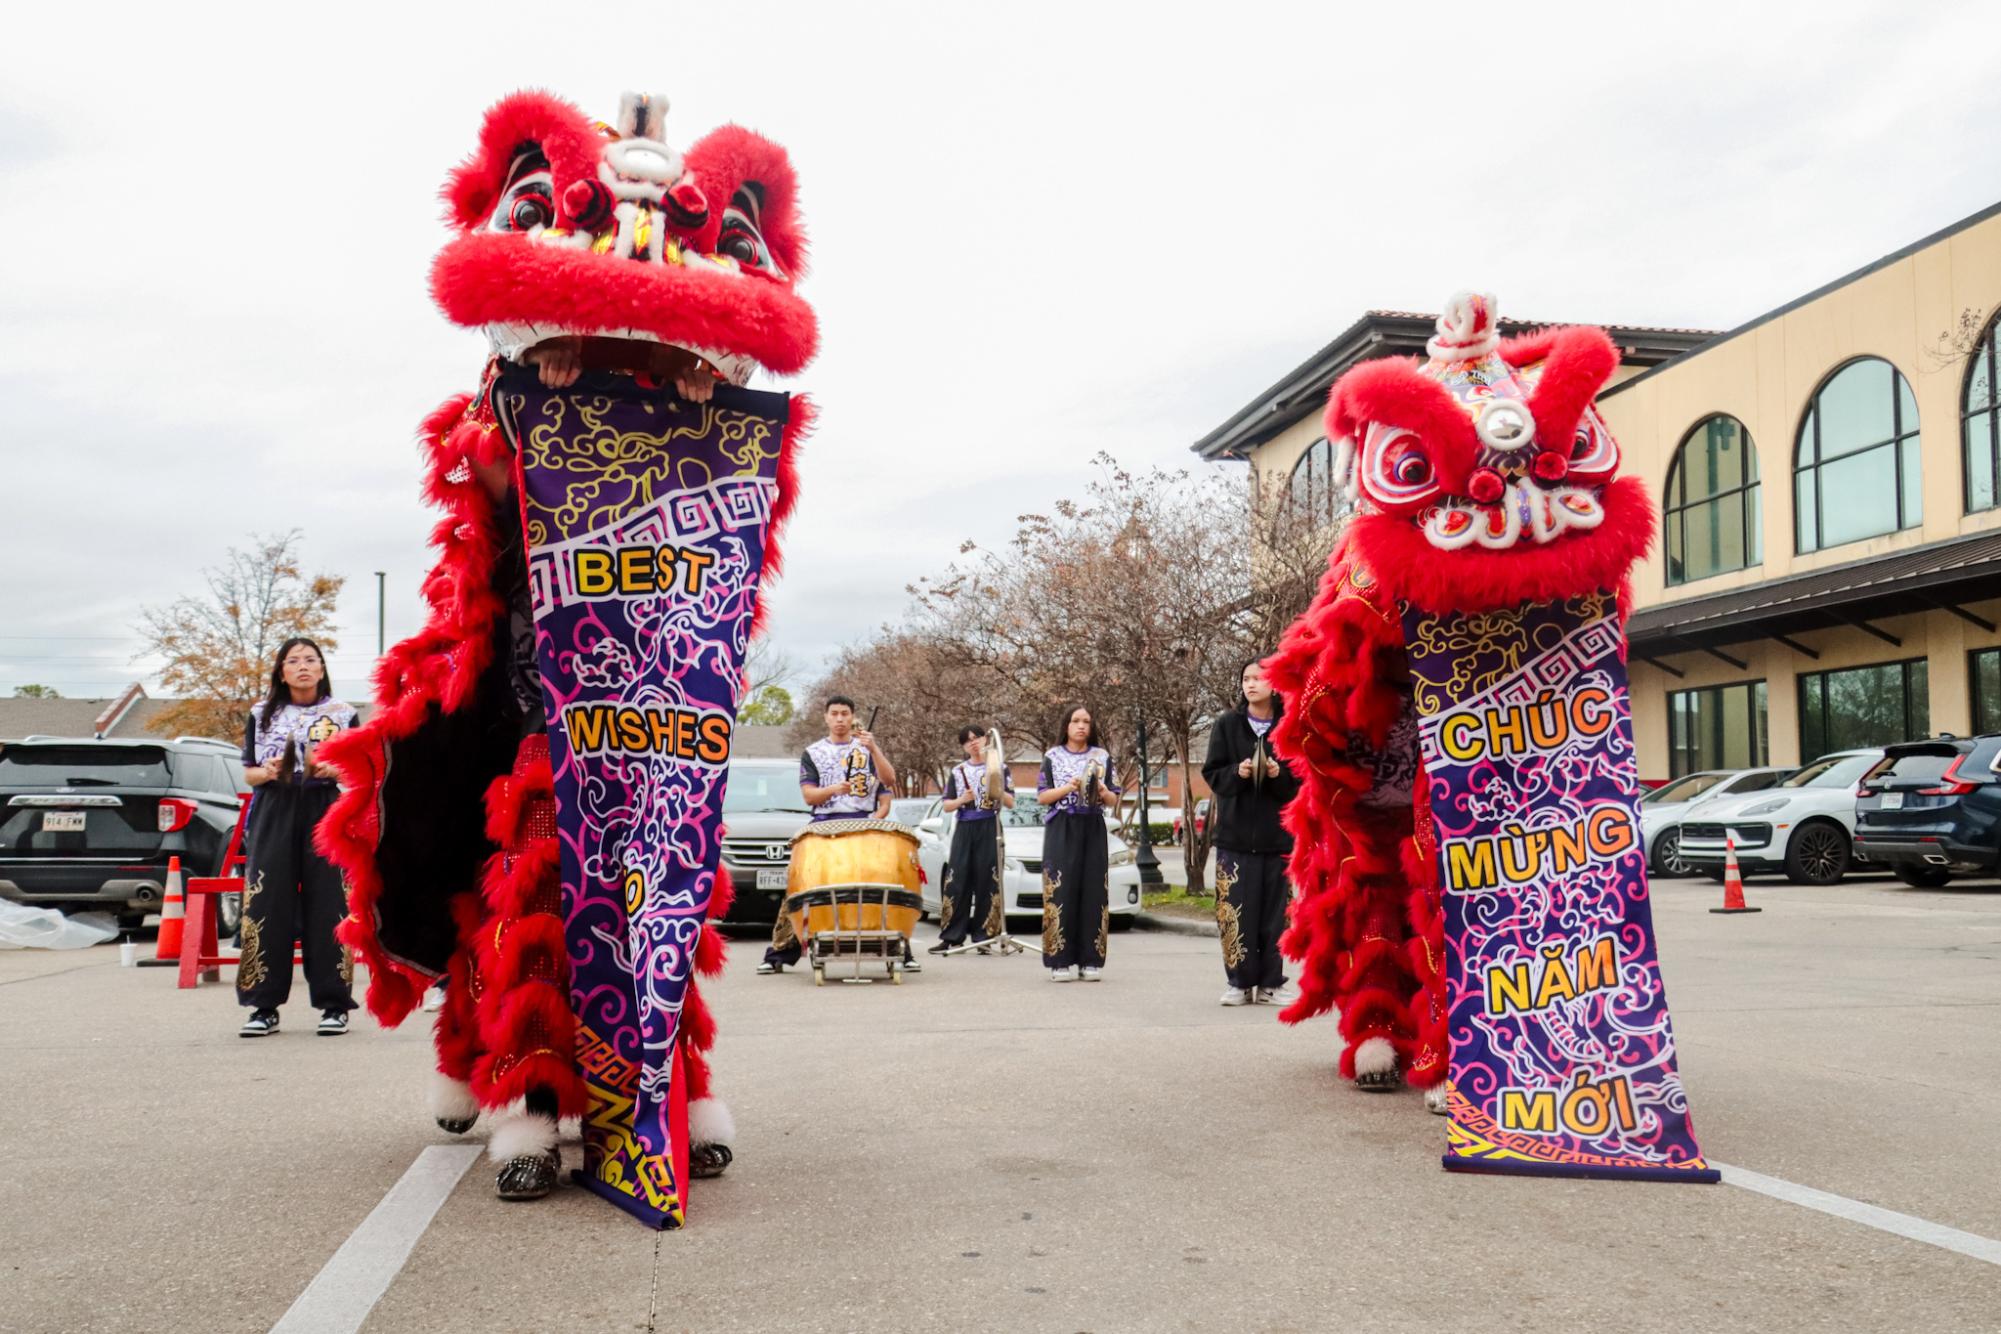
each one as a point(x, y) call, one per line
point(874, 709)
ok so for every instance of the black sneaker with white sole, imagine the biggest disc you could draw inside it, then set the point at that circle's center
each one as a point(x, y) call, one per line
point(333, 1023)
point(260, 1024)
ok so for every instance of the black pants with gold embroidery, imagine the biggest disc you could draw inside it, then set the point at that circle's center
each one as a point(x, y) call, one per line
point(1252, 895)
point(291, 892)
point(1076, 913)
point(970, 902)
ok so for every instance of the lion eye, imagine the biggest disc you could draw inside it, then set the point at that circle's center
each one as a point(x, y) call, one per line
point(530, 211)
point(1411, 469)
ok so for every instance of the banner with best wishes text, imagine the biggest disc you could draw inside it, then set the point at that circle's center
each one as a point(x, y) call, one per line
point(1563, 1057)
point(646, 518)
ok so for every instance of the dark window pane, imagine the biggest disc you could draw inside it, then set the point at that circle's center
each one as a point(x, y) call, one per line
point(1813, 717)
point(1980, 384)
point(1716, 727)
point(1986, 686)
point(1805, 513)
point(1912, 495)
point(1863, 706)
point(1754, 509)
point(1859, 494)
point(1855, 408)
point(1980, 461)
point(1714, 541)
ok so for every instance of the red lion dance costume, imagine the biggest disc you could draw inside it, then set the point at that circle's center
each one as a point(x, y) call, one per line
point(1456, 706)
point(619, 266)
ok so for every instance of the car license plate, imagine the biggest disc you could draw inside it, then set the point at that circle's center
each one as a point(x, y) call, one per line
point(62, 822)
point(1893, 801)
point(771, 878)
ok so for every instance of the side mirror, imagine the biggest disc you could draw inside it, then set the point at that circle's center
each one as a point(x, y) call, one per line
point(934, 824)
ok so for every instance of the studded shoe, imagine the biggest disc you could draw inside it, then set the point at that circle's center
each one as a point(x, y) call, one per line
point(708, 1160)
point(527, 1176)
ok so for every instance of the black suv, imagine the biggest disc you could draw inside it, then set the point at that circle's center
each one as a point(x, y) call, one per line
point(89, 824)
point(1932, 808)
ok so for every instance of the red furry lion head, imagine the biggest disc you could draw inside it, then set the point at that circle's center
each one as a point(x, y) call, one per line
point(1485, 474)
point(568, 227)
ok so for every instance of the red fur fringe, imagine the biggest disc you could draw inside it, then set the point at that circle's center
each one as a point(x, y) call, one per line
point(1472, 579)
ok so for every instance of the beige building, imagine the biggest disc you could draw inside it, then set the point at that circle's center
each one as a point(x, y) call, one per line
point(1829, 476)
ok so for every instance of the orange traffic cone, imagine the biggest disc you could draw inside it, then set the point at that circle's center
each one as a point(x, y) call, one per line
point(1733, 880)
point(173, 921)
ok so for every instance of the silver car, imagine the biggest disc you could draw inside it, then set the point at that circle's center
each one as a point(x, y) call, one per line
point(1021, 875)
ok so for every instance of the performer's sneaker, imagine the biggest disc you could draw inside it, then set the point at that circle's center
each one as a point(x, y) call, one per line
point(911, 965)
point(434, 1000)
point(527, 1176)
point(767, 968)
point(1237, 996)
point(1090, 974)
point(260, 1024)
point(333, 1023)
point(939, 948)
point(1063, 974)
point(1434, 1100)
point(1271, 996)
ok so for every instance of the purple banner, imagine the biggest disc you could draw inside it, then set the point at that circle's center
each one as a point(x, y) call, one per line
point(1562, 1052)
point(646, 517)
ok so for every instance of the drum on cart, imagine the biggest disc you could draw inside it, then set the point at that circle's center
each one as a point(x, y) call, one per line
point(852, 892)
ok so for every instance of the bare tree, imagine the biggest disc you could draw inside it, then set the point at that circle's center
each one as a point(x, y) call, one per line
point(1137, 600)
point(219, 644)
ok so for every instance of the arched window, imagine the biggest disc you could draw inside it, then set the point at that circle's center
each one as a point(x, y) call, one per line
point(1709, 511)
point(1980, 424)
point(1312, 484)
point(1856, 469)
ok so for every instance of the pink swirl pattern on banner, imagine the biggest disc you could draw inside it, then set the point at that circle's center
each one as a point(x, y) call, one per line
point(1562, 1050)
point(646, 518)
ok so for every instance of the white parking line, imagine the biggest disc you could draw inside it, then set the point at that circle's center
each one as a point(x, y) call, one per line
point(1883, 1220)
point(343, 1293)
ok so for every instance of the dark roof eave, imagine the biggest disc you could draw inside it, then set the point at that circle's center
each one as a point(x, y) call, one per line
point(1953, 572)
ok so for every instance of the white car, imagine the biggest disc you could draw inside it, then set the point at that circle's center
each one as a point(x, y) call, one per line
point(1021, 874)
point(1664, 808)
point(1804, 825)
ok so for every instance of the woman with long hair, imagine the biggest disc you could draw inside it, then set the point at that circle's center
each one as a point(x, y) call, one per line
point(289, 890)
point(1075, 786)
point(971, 901)
point(1251, 786)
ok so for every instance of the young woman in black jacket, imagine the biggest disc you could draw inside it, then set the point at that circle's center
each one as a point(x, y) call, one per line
point(1251, 787)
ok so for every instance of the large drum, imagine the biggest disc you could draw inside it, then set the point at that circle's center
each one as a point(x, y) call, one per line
point(852, 891)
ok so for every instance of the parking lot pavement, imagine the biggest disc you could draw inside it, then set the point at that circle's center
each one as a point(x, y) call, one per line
point(978, 1149)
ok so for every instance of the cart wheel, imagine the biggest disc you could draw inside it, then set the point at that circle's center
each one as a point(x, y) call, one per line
point(819, 977)
point(895, 975)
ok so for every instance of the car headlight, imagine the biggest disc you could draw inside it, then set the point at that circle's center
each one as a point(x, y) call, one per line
point(1766, 807)
point(1123, 857)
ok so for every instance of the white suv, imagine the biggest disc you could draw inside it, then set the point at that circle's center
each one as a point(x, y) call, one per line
point(1803, 825)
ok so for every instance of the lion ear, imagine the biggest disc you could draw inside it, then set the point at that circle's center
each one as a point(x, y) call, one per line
point(517, 123)
point(1576, 363)
point(734, 166)
point(1393, 391)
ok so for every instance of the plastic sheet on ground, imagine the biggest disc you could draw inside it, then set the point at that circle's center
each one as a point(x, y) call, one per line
point(25, 928)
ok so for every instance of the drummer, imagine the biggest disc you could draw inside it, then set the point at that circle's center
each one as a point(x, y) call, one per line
point(972, 901)
point(844, 776)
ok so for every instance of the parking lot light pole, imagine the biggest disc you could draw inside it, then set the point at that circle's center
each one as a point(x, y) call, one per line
point(380, 646)
point(1149, 865)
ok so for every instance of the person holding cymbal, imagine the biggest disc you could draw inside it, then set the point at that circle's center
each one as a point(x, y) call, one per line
point(971, 901)
point(1075, 786)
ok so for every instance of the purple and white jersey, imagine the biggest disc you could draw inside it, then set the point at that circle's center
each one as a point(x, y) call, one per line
point(1060, 764)
point(827, 762)
point(969, 777)
point(296, 728)
point(1259, 725)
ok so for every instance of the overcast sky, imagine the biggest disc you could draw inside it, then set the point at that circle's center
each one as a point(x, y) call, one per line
point(1039, 231)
